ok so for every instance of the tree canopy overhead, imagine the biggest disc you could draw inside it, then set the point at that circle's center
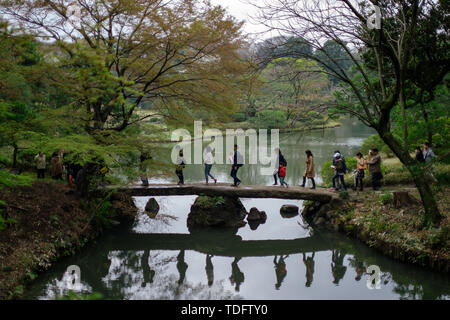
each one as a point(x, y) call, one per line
point(120, 54)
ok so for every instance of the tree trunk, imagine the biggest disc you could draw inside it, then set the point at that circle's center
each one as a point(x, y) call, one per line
point(405, 126)
point(403, 198)
point(16, 150)
point(421, 178)
point(427, 124)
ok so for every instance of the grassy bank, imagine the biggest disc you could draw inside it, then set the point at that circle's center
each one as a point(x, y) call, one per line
point(398, 231)
point(47, 221)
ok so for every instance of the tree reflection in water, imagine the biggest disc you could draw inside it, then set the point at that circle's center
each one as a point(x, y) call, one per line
point(164, 274)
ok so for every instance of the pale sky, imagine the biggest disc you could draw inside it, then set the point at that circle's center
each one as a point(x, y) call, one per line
point(242, 11)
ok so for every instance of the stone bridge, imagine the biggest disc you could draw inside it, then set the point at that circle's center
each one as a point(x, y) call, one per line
point(225, 190)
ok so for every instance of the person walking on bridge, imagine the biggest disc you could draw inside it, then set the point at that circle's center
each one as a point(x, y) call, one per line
point(238, 161)
point(281, 161)
point(309, 171)
point(180, 164)
point(209, 159)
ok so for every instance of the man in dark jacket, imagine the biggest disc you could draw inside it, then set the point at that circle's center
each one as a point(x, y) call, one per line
point(237, 163)
point(375, 169)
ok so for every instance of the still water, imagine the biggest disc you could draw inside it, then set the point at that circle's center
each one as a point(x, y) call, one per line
point(281, 259)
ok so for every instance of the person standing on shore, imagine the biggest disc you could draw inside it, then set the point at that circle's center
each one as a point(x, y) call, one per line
point(309, 171)
point(361, 166)
point(419, 154)
point(40, 161)
point(237, 163)
point(375, 168)
point(57, 168)
point(428, 153)
point(340, 170)
point(209, 159)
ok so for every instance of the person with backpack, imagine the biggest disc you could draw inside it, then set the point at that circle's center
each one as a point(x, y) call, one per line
point(309, 171)
point(339, 167)
point(179, 166)
point(238, 161)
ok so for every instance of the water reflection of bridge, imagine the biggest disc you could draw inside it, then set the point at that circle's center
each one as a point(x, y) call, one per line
point(223, 245)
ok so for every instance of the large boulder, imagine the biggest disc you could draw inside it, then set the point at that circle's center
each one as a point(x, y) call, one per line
point(288, 210)
point(217, 212)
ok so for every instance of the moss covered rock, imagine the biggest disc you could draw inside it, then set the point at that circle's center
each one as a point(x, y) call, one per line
point(217, 212)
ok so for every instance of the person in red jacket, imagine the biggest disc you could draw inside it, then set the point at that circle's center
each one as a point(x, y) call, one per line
point(282, 174)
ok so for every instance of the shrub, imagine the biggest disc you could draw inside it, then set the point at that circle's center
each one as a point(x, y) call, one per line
point(386, 198)
point(239, 117)
point(344, 195)
point(269, 119)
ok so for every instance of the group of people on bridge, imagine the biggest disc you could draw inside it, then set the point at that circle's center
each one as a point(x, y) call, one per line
point(372, 163)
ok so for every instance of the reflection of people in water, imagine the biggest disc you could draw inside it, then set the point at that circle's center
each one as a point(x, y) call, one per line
point(337, 265)
point(181, 266)
point(209, 270)
point(280, 270)
point(237, 277)
point(360, 269)
point(146, 270)
point(309, 264)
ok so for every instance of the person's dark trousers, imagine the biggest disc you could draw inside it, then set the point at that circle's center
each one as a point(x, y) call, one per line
point(233, 174)
point(208, 172)
point(40, 173)
point(335, 177)
point(341, 178)
point(67, 174)
point(275, 178)
point(376, 180)
point(180, 175)
point(359, 182)
point(312, 180)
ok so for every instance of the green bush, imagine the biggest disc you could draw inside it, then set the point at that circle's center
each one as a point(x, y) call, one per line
point(239, 117)
point(375, 141)
point(386, 198)
point(269, 119)
point(344, 195)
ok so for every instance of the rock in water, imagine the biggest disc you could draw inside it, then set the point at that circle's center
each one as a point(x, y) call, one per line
point(255, 214)
point(152, 206)
point(288, 210)
point(217, 212)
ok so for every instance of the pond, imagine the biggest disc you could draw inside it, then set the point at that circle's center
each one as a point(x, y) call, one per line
point(281, 259)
